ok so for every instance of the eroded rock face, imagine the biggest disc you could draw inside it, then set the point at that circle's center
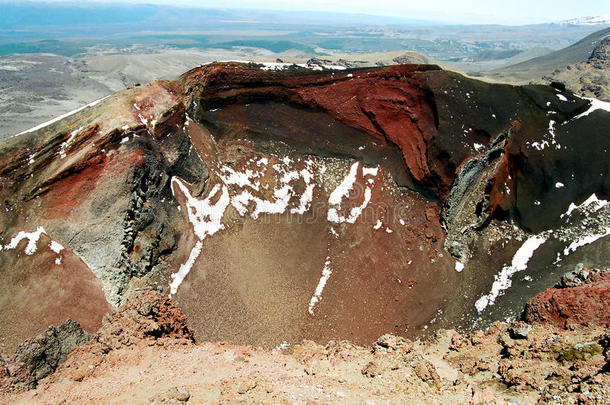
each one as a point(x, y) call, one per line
point(276, 205)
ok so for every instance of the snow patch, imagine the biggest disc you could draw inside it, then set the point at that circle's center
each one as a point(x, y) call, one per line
point(592, 200)
point(203, 215)
point(66, 144)
point(459, 266)
point(585, 240)
point(32, 238)
point(343, 190)
point(284, 66)
point(317, 296)
point(55, 247)
point(503, 280)
point(185, 268)
point(595, 105)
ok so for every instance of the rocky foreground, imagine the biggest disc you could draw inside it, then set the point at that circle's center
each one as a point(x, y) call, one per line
point(145, 353)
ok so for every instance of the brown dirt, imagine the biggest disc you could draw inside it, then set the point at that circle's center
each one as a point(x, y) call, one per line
point(62, 291)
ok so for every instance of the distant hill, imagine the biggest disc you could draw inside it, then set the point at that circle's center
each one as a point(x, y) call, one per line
point(547, 64)
point(599, 20)
point(583, 67)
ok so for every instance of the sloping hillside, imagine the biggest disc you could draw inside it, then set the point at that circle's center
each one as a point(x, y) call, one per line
point(534, 69)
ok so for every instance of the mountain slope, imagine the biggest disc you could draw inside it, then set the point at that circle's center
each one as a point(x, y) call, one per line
point(545, 65)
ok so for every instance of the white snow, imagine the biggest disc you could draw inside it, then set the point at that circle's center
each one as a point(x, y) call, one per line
point(317, 296)
point(377, 225)
point(343, 190)
point(125, 140)
point(230, 176)
point(585, 240)
point(595, 105)
point(561, 97)
point(282, 192)
point(206, 220)
point(203, 215)
point(281, 199)
point(305, 200)
point(592, 200)
point(185, 268)
point(66, 144)
point(55, 247)
point(545, 142)
point(370, 171)
point(559, 185)
point(478, 147)
point(32, 238)
point(503, 280)
point(346, 185)
point(388, 230)
point(283, 66)
point(459, 266)
point(61, 117)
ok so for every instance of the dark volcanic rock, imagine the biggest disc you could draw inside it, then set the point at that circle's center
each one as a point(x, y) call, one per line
point(39, 356)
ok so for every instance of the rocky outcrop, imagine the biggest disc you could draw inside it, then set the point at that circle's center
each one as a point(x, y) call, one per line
point(147, 315)
point(40, 356)
point(581, 298)
point(600, 57)
point(589, 78)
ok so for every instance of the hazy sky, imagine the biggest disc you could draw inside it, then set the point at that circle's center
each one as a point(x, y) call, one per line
point(463, 11)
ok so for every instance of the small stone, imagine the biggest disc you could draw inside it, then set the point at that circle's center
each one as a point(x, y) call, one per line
point(181, 394)
point(520, 330)
point(371, 370)
point(245, 386)
point(481, 397)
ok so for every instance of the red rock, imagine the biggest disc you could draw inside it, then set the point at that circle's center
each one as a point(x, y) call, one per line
point(582, 305)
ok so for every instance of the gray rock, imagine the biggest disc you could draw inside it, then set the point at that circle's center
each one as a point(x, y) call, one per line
point(579, 276)
point(40, 356)
point(3, 368)
point(520, 330)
